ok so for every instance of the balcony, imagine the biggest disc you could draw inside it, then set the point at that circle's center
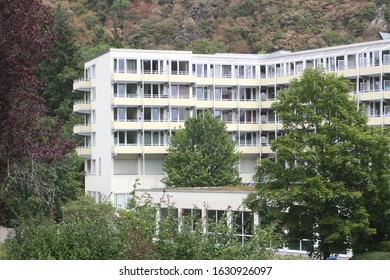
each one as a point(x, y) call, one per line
point(126, 125)
point(138, 149)
point(82, 129)
point(81, 84)
point(82, 107)
point(84, 152)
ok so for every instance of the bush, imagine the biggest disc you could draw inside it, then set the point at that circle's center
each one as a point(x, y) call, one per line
point(87, 231)
point(383, 246)
point(372, 256)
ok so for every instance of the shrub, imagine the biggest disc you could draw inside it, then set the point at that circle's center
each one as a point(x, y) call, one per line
point(372, 256)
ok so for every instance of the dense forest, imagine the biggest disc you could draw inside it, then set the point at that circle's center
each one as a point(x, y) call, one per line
point(241, 26)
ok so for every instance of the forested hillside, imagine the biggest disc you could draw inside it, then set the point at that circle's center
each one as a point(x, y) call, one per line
point(243, 26)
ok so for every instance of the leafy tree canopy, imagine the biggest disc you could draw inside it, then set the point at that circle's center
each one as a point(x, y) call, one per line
point(201, 154)
point(330, 180)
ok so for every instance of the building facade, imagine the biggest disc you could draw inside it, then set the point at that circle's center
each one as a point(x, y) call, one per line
point(134, 99)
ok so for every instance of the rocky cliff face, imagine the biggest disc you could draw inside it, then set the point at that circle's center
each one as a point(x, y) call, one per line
point(227, 25)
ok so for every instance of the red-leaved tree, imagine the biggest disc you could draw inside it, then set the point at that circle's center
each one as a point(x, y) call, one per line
point(27, 136)
point(25, 39)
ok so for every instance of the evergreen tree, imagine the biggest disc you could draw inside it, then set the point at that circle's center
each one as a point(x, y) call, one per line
point(63, 67)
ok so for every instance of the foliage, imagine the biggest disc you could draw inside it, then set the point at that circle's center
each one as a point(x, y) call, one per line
point(383, 246)
point(34, 189)
point(22, 113)
point(242, 25)
point(330, 180)
point(59, 72)
point(94, 231)
point(87, 231)
point(29, 140)
point(201, 154)
point(372, 256)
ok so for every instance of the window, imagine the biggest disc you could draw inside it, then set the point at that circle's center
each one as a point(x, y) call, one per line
point(184, 67)
point(218, 94)
point(202, 93)
point(179, 114)
point(93, 93)
point(168, 212)
point(121, 66)
point(121, 200)
point(93, 116)
point(191, 218)
point(227, 94)
point(226, 71)
point(125, 138)
point(200, 70)
point(201, 112)
point(247, 139)
point(93, 71)
point(147, 66)
point(88, 166)
point(131, 65)
point(125, 66)
point(154, 138)
point(123, 114)
point(243, 223)
point(174, 91)
point(154, 90)
point(180, 91)
point(154, 114)
point(248, 94)
point(248, 116)
point(180, 67)
point(227, 116)
point(93, 167)
point(124, 90)
point(213, 217)
point(93, 138)
point(218, 114)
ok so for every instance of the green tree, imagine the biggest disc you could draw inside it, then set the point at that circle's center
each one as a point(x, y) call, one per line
point(201, 154)
point(35, 189)
point(330, 178)
point(59, 72)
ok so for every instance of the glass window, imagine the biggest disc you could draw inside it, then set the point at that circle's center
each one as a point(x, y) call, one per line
point(155, 138)
point(183, 114)
point(121, 137)
point(199, 70)
point(147, 138)
point(174, 91)
point(184, 68)
point(218, 114)
point(121, 65)
point(174, 114)
point(131, 90)
point(218, 94)
point(131, 137)
point(218, 71)
point(131, 65)
point(147, 66)
point(155, 114)
point(121, 90)
point(226, 71)
point(147, 114)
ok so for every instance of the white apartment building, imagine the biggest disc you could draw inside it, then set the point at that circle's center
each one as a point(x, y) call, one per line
point(134, 99)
